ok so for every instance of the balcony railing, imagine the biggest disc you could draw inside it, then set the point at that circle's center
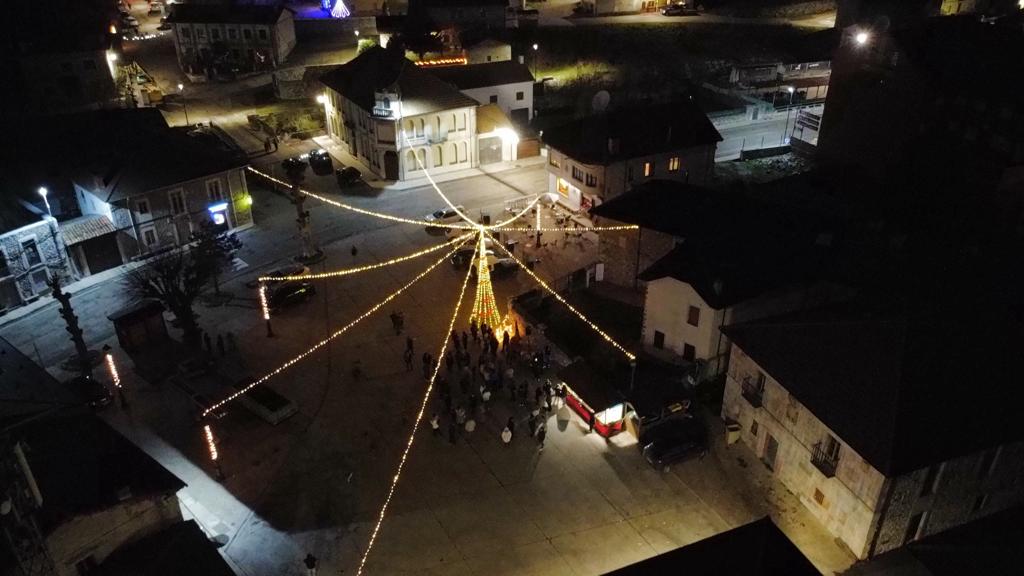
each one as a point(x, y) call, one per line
point(752, 392)
point(381, 112)
point(824, 460)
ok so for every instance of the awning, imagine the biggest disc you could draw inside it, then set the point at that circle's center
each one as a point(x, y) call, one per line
point(78, 230)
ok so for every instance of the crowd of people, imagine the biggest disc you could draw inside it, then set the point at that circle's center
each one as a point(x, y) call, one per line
point(481, 368)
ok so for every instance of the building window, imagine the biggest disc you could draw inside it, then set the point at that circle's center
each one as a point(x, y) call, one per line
point(554, 161)
point(5, 268)
point(464, 120)
point(916, 527)
point(493, 99)
point(520, 95)
point(232, 34)
point(201, 33)
point(438, 155)
point(693, 316)
point(819, 497)
point(792, 409)
point(261, 34)
point(177, 199)
point(689, 352)
point(421, 127)
point(142, 207)
point(648, 169)
point(215, 34)
point(247, 34)
point(979, 503)
point(591, 179)
point(410, 161)
point(577, 174)
point(754, 428)
point(659, 339)
point(214, 190)
point(673, 164)
point(30, 252)
point(931, 479)
point(149, 237)
point(454, 158)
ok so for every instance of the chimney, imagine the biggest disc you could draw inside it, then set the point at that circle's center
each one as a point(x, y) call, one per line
point(613, 145)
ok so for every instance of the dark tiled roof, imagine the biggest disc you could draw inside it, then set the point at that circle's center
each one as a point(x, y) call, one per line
point(377, 69)
point(483, 75)
point(224, 14)
point(905, 387)
point(176, 550)
point(639, 131)
point(755, 549)
point(671, 207)
point(26, 387)
point(86, 227)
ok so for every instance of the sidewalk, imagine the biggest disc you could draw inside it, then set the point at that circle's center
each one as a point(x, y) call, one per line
point(339, 153)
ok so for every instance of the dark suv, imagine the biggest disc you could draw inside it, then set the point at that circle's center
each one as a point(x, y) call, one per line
point(673, 440)
point(289, 293)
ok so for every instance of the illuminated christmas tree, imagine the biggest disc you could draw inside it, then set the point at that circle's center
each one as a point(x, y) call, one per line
point(336, 8)
point(485, 308)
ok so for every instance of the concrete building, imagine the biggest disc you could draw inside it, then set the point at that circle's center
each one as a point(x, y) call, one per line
point(78, 490)
point(399, 119)
point(605, 7)
point(895, 89)
point(487, 50)
point(226, 39)
point(61, 59)
point(506, 84)
point(155, 184)
point(877, 417)
point(598, 157)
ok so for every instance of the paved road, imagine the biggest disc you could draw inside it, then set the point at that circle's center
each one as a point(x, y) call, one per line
point(755, 135)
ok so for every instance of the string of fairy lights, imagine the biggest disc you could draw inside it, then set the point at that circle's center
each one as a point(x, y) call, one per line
point(415, 426)
point(484, 311)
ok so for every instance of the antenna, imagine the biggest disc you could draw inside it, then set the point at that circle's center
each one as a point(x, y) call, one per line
point(599, 103)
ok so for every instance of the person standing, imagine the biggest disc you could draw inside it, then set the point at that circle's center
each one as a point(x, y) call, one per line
point(465, 341)
point(449, 362)
point(408, 360)
point(435, 424)
point(473, 330)
point(533, 422)
point(310, 562)
point(506, 436)
point(542, 433)
point(409, 344)
point(511, 425)
point(504, 342)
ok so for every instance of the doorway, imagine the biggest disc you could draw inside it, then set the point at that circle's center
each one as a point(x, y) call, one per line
point(771, 451)
point(391, 165)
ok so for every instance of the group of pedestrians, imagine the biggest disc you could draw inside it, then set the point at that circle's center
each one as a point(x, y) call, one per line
point(478, 366)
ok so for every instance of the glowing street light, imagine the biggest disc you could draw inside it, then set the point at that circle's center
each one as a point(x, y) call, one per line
point(184, 107)
point(43, 192)
point(321, 99)
point(356, 32)
point(785, 128)
point(861, 38)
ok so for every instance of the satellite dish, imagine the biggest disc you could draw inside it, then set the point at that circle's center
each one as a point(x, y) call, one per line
point(600, 101)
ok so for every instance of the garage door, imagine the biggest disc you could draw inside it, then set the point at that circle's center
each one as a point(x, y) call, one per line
point(490, 150)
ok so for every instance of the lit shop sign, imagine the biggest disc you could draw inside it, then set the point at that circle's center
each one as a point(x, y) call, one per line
point(218, 212)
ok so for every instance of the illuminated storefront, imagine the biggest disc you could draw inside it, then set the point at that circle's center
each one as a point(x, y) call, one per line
point(593, 398)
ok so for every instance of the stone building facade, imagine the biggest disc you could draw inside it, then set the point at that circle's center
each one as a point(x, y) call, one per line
point(29, 256)
point(868, 510)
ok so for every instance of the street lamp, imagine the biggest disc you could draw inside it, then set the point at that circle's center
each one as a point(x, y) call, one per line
point(535, 47)
point(792, 91)
point(43, 192)
point(861, 38)
point(356, 32)
point(321, 99)
point(181, 92)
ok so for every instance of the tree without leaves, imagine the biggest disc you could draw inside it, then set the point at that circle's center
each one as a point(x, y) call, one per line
point(71, 319)
point(209, 253)
point(176, 279)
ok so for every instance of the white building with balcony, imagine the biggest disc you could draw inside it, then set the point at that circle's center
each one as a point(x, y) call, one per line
point(398, 119)
point(887, 426)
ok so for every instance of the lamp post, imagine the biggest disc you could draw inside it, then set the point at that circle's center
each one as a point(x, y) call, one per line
point(535, 47)
point(782, 139)
point(181, 92)
point(43, 192)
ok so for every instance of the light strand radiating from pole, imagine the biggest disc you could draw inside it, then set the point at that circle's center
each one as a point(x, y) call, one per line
point(485, 308)
point(263, 301)
point(558, 296)
point(415, 425)
point(211, 443)
point(113, 371)
point(323, 342)
point(347, 271)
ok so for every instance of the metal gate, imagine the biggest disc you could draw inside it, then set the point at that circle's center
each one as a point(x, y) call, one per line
point(490, 150)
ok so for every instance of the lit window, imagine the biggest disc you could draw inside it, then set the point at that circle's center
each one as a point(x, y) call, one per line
point(673, 164)
point(648, 168)
point(213, 189)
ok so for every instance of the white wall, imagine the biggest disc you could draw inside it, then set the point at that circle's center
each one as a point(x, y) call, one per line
point(666, 309)
point(445, 142)
point(506, 94)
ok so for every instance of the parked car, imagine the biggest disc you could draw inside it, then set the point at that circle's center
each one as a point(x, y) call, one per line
point(289, 293)
point(320, 161)
point(463, 256)
point(673, 440)
point(90, 391)
point(679, 10)
point(445, 216)
point(347, 176)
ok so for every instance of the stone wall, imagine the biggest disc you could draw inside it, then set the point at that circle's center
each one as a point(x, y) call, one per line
point(29, 277)
point(622, 260)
